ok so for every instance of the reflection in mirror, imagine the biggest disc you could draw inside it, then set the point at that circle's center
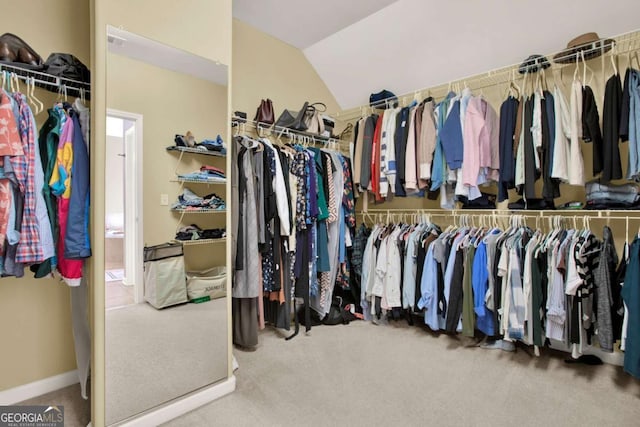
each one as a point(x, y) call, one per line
point(166, 309)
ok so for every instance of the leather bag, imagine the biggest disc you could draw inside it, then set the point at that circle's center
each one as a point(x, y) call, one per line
point(293, 120)
point(264, 113)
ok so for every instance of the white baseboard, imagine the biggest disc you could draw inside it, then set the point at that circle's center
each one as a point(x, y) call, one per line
point(38, 388)
point(183, 405)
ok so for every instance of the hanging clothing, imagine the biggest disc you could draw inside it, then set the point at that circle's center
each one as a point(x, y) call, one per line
point(508, 116)
point(591, 128)
point(611, 118)
point(631, 295)
point(576, 163)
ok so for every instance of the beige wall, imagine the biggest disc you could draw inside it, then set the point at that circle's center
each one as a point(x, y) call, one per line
point(35, 319)
point(265, 67)
point(201, 27)
point(190, 104)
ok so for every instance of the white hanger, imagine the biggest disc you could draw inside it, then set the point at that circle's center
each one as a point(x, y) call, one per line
point(12, 80)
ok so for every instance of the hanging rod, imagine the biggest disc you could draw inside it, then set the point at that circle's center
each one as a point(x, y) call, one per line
point(623, 43)
point(48, 81)
point(568, 213)
point(239, 123)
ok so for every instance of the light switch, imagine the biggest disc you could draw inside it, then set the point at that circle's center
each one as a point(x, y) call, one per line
point(164, 200)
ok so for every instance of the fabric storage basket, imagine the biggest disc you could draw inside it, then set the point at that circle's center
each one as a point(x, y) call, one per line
point(164, 275)
point(207, 284)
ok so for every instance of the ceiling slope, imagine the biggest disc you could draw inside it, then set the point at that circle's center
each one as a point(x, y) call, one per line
point(413, 44)
point(302, 23)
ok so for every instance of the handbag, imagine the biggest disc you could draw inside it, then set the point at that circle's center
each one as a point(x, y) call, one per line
point(264, 113)
point(293, 120)
point(313, 119)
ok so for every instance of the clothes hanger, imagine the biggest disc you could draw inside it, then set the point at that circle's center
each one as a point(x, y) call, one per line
point(33, 96)
point(584, 71)
point(12, 83)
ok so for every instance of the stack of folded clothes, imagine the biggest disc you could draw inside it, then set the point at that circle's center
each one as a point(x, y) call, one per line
point(191, 201)
point(193, 232)
point(188, 140)
point(612, 196)
point(206, 173)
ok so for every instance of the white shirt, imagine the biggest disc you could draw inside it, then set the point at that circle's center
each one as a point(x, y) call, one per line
point(576, 164)
point(280, 189)
point(561, 152)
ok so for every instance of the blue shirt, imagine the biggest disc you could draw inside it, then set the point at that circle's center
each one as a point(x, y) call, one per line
point(429, 291)
point(451, 137)
point(480, 284)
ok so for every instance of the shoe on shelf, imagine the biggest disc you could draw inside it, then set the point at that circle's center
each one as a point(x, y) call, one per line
point(190, 139)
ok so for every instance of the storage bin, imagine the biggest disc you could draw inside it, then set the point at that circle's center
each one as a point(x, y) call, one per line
point(164, 275)
point(207, 284)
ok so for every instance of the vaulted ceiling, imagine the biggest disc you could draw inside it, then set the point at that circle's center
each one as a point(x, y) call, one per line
point(362, 46)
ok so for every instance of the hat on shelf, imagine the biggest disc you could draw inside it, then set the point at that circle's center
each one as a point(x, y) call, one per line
point(533, 64)
point(589, 43)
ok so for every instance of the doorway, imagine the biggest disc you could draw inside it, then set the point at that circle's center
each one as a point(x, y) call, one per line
point(123, 210)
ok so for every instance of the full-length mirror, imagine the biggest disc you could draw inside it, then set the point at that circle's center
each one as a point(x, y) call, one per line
point(165, 215)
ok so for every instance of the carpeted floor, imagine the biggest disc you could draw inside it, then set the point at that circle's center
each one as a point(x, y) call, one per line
point(366, 375)
point(154, 355)
point(77, 411)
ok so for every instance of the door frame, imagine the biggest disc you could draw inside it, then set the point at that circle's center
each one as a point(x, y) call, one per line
point(133, 218)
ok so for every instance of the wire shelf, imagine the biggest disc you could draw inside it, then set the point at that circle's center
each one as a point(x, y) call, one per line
point(200, 181)
point(195, 151)
point(279, 131)
point(199, 211)
point(200, 241)
point(48, 81)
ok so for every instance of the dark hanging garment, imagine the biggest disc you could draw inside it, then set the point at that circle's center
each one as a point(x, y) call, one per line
point(401, 136)
point(550, 186)
point(508, 117)
point(367, 150)
point(245, 321)
point(591, 128)
point(611, 119)
point(421, 255)
point(625, 107)
point(631, 295)
point(531, 174)
point(618, 305)
point(454, 308)
point(604, 279)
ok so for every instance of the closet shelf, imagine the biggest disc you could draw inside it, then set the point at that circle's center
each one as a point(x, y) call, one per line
point(49, 81)
point(200, 181)
point(292, 134)
point(195, 151)
point(199, 211)
point(200, 241)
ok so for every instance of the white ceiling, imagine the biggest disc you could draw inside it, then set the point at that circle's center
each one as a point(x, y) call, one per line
point(302, 23)
point(360, 47)
point(155, 53)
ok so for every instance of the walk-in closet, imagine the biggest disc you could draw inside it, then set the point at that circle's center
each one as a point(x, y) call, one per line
point(295, 213)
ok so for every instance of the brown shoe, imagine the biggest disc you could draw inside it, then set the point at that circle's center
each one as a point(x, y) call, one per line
point(15, 51)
